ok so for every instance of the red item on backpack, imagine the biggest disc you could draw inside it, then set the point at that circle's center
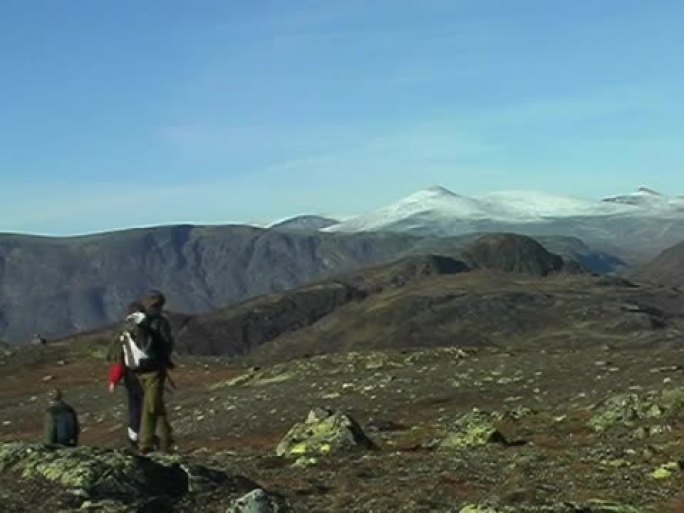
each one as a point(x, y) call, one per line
point(116, 373)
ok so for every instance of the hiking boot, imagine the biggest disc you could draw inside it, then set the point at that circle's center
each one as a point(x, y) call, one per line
point(166, 445)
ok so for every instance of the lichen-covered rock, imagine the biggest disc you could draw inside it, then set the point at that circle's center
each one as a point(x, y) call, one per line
point(595, 506)
point(323, 432)
point(256, 501)
point(627, 409)
point(94, 472)
point(472, 508)
point(106, 506)
point(305, 462)
point(473, 429)
point(519, 413)
point(666, 471)
point(621, 409)
point(204, 479)
point(114, 481)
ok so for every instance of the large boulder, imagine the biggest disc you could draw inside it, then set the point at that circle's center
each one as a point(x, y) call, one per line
point(628, 409)
point(323, 432)
point(94, 472)
point(114, 481)
point(475, 428)
point(256, 501)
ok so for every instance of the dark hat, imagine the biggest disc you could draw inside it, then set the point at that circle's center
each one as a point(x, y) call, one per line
point(55, 394)
point(153, 300)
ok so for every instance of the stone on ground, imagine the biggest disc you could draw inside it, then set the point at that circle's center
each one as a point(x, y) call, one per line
point(324, 432)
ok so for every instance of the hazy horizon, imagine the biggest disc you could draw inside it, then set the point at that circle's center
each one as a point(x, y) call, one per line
point(267, 222)
point(117, 114)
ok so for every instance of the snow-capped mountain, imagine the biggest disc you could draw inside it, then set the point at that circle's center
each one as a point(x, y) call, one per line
point(303, 223)
point(437, 205)
point(649, 199)
point(644, 221)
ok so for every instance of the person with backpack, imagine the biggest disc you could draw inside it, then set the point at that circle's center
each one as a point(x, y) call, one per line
point(61, 423)
point(127, 354)
point(152, 370)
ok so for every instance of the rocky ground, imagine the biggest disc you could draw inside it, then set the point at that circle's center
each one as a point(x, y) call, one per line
point(487, 430)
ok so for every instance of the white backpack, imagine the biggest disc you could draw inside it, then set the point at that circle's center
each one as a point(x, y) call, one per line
point(133, 355)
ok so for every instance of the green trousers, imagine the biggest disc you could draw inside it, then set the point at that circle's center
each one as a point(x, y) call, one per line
point(154, 413)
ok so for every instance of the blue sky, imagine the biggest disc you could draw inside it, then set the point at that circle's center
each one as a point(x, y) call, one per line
point(126, 113)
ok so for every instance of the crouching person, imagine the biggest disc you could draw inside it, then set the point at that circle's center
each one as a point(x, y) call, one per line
point(61, 423)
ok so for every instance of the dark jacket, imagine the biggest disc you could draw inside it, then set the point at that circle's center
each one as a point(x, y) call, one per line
point(156, 341)
point(61, 425)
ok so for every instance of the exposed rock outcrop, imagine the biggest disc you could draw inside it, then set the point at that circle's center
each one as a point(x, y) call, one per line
point(324, 432)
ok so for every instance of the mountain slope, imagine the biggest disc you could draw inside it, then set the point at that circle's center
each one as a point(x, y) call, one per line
point(512, 253)
point(304, 223)
point(437, 206)
point(650, 200)
point(667, 269)
point(432, 309)
point(432, 301)
point(58, 286)
point(635, 226)
point(487, 308)
point(242, 329)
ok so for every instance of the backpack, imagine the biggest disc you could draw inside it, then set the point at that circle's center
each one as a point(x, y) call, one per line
point(134, 356)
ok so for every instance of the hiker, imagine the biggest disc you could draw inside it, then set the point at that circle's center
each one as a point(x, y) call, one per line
point(127, 356)
point(153, 373)
point(61, 423)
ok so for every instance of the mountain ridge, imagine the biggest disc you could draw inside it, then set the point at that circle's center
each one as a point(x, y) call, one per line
point(640, 225)
point(666, 270)
point(506, 207)
point(56, 286)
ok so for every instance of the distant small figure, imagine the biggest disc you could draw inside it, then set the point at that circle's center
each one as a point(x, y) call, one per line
point(61, 422)
point(38, 340)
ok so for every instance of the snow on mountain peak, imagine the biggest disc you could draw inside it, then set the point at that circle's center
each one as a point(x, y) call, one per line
point(649, 192)
point(539, 204)
point(437, 190)
point(648, 199)
point(437, 209)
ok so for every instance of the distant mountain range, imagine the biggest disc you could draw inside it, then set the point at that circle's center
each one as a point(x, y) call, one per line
point(500, 290)
point(431, 208)
point(57, 286)
point(304, 223)
point(636, 226)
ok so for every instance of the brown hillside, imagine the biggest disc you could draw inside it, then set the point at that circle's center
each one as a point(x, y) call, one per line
point(240, 329)
point(667, 269)
point(429, 302)
point(488, 308)
point(513, 253)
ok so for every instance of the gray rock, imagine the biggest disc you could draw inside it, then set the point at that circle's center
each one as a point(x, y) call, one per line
point(323, 432)
point(256, 501)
